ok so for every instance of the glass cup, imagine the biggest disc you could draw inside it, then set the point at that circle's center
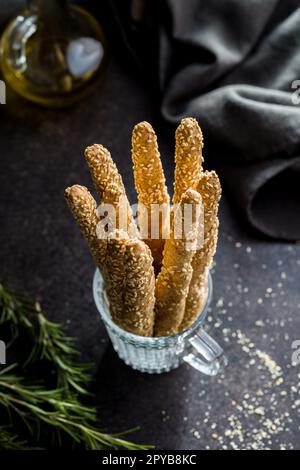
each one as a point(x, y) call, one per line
point(161, 354)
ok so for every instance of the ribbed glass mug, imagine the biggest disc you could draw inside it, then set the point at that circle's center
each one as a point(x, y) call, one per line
point(161, 354)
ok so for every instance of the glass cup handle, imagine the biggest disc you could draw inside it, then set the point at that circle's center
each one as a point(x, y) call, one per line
point(209, 356)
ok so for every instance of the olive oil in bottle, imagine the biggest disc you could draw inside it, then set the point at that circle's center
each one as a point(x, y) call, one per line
point(53, 54)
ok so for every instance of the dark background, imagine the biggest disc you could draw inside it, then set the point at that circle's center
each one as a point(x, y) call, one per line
point(255, 313)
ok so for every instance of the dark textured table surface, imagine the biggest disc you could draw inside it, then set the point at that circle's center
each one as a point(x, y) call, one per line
point(255, 313)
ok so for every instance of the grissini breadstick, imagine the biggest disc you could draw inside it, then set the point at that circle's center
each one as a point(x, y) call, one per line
point(188, 157)
point(173, 281)
point(109, 185)
point(84, 209)
point(151, 187)
point(115, 282)
point(139, 289)
point(210, 189)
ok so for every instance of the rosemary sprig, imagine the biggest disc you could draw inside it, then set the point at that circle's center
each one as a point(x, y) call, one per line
point(15, 311)
point(49, 340)
point(56, 347)
point(35, 404)
point(42, 408)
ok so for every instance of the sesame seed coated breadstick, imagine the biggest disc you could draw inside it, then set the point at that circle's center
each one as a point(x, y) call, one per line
point(150, 184)
point(139, 289)
point(210, 189)
point(173, 281)
point(188, 157)
point(108, 183)
point(84, 209)
point(115, 282)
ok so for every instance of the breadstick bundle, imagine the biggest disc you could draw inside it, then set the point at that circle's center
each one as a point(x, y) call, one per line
point(155, 280)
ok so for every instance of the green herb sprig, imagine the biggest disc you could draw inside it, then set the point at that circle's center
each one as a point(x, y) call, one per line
point(30, 400)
